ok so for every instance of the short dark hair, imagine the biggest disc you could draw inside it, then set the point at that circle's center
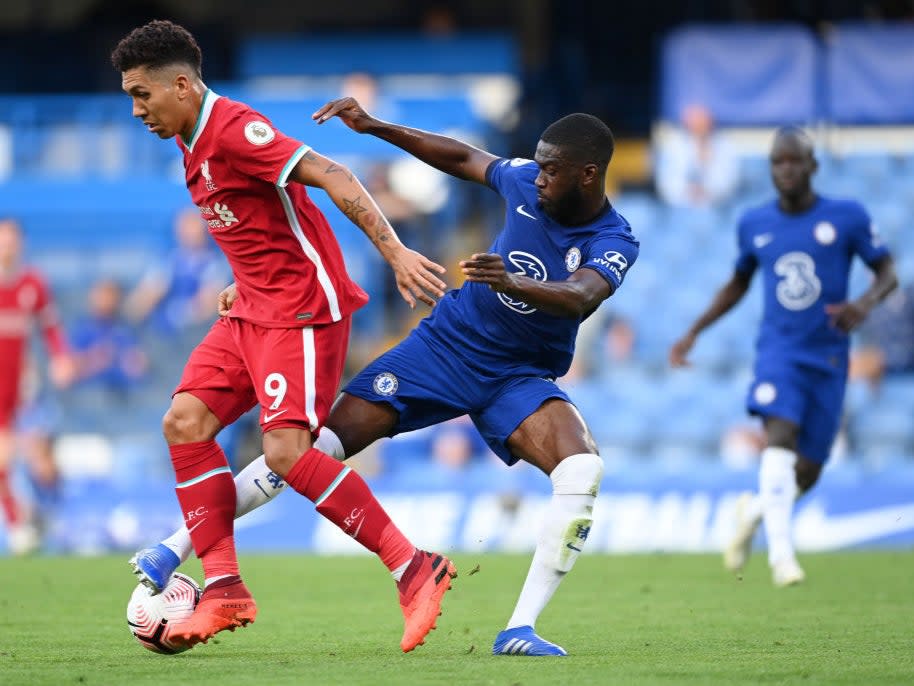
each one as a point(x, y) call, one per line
point(795, 133)
point(583, 136)
point(160, 43)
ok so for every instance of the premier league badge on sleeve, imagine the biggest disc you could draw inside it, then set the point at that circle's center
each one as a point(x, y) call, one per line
point(258, 132)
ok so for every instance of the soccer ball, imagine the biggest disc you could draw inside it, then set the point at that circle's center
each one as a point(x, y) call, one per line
point(150, 617)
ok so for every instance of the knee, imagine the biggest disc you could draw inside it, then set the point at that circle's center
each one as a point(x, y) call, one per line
point(578, 475)
point(180, 425)
point(281, 462)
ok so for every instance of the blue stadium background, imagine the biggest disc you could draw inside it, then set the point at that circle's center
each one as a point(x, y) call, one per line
point(97, 194)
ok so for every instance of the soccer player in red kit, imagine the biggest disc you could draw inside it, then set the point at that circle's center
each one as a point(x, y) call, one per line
point(25, 301)
point(283, 346)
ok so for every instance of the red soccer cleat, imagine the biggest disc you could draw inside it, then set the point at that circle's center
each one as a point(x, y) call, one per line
point(421, 588)
point(225, 604)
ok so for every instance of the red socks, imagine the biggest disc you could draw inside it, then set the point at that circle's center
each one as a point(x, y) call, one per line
point(343, 497)
point(8, 501)
point(206, 492)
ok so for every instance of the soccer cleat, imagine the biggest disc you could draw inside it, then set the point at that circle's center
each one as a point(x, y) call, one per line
point(154, 566)
point(787, 572)
point(522, 640)
point(738, 549)
point(423, 585)
point(225, 604)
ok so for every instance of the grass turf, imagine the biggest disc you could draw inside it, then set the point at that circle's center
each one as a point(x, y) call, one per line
point(624, 620)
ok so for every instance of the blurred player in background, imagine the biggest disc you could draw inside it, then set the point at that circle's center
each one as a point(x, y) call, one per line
point(804, 244)
point(25, 301)
point(493, 348)
point(284, 344)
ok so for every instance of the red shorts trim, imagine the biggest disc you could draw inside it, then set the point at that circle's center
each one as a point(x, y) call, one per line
point(293, 374)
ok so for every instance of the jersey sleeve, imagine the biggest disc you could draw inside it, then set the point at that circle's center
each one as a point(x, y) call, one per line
point(502, 173)
point(746, 261)
point(864, 239)
point(256, 148)
point(611, 256)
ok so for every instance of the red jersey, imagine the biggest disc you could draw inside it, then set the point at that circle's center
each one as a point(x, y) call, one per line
point(25, 300)
point(287, 263)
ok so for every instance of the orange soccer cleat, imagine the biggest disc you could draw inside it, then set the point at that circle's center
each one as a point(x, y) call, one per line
point(225, 604)
point(421, 588)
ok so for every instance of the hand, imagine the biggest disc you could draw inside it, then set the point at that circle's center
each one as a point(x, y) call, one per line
point(680, 351)
point(227, 298)
point(62, 370)
point(846, 316)
point(348, 110)
point(415, 275)
point(487, 268)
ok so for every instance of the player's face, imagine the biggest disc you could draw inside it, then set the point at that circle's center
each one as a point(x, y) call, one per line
point(792, 166)
point(558, 183)
point(155, 101)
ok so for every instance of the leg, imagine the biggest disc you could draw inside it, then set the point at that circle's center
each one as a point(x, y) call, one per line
point(22, 536)
point(555, 439)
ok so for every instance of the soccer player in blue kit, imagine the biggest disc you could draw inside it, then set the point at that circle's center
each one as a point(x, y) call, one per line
point(803, 243)
point(493, 348)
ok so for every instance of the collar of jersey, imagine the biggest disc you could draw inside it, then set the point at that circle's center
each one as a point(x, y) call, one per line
point(209, 99)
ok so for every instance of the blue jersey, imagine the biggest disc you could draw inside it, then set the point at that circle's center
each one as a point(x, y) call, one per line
point(805, 261)
point(492, 330)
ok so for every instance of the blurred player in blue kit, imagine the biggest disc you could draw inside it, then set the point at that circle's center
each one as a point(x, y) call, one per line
point(803, 243)
point(493, 348)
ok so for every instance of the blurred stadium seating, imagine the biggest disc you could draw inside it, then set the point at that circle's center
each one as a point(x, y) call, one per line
point(96, 194)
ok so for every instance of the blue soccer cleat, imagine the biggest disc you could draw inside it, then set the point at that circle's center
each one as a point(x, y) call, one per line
point(154, 566)
point(522, 640)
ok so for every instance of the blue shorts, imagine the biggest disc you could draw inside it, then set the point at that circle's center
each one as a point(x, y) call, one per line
point(428, 384)
point(811, 398)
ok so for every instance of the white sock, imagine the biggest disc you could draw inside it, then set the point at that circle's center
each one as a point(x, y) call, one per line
point(329, 443)
point(255, 485)
point(777, 493)
point(566, 524)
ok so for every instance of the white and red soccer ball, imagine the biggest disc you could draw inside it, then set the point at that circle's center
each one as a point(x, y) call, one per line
point(150, 617)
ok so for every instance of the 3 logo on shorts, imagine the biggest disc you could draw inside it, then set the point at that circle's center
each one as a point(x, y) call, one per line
point(765, 393)
point(385, 384)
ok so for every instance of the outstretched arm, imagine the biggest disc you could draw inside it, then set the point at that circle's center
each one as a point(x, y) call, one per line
point(577, 296)
point(447, 154)
point(847, 315)
point(724, 300)
point(415, 273)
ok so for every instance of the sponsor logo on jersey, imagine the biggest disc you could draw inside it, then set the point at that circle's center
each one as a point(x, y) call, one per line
point(204, 169)
point(614, 261)
point(385, 383)
point(573, 259)
point(799, 286)
point(825, 233)
point(528, 265)
point(762, 240)
point(765, 393)
point(258, 132)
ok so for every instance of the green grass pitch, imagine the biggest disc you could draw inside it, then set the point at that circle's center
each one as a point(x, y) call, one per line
point(654, 619)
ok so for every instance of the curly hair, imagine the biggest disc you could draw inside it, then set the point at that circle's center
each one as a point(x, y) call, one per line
point(159, 43)
point(583, 136)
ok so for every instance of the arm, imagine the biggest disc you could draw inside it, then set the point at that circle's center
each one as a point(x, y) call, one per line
point(414, 272)
point(446, 154)
point(724, 300)
point(847, 315)
point(575, 297)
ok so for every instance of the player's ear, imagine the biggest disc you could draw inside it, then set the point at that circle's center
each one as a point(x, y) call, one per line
point(181, 84)
point(589, 173)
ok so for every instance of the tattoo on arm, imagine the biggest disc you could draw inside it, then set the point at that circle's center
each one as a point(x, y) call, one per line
point(354, 210)
point(342, 170)
point(310, 156)
point(366, 220)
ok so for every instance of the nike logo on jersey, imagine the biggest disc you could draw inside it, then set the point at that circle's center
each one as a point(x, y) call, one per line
point(521, 210)
point(271, 417)
point(762, 240)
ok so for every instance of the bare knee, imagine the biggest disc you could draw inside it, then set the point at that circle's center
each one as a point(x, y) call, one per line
point(282, 448)
point(781, 433)
point(188, 420)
